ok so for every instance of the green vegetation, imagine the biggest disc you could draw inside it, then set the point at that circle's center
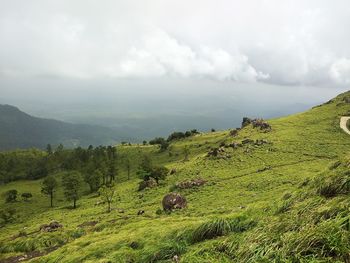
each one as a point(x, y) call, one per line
point(271, 195)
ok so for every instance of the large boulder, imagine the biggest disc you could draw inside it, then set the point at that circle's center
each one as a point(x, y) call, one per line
point(173, 201)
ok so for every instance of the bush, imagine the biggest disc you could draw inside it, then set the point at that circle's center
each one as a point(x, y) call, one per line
point(7, 215)
point(11, 196)
point(26, 196)
point(333, 185)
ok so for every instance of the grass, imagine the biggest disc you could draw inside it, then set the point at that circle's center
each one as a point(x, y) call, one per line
point(285, 201)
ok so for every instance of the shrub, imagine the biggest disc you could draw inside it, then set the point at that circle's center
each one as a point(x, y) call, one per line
point(7, 215)
point(26, 196)
point(11, 196)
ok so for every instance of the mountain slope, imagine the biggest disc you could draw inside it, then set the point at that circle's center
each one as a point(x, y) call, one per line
point(283, 201)
point(20, 130)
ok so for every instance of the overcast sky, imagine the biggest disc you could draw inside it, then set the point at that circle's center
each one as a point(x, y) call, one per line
point(284, 43)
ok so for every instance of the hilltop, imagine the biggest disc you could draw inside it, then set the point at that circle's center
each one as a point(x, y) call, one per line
point(21, 130)
point(270, 195)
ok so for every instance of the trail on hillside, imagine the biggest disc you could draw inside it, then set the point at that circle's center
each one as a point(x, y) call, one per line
point(343, 126)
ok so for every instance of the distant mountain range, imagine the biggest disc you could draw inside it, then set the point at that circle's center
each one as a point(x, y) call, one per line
point(21, 130)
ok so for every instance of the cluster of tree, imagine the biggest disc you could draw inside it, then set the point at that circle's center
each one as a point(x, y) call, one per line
point(36, 164)
point(181, 135)
point(11, 196)
point(164, 143)
point(148, 170)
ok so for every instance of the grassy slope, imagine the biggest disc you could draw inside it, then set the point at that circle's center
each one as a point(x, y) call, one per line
point(303, 146)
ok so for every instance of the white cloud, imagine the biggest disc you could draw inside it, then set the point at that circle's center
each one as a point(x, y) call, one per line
point(340, 71)
point(291, 42)
point(159, 54)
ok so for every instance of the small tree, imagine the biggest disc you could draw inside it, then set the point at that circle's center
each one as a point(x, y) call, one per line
point(48, 187)
point(71, 183)
point(26, 196)
point(11, 196)
point(107, 194)
point(159, 173)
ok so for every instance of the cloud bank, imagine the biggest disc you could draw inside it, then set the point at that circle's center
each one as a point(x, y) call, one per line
point(279, 42)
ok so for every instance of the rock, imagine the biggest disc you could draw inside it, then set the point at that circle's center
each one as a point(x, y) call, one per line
point(53, 226)
point(261, 142)
point(247, 141)
point(246, 121)
point(260, 123)
point(140, 212)
point(150, 183)
point(191, 183)
point(173, 201)
point(176, 259)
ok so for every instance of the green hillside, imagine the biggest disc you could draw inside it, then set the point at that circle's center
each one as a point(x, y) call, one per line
point(21, 130)
point(282, 196)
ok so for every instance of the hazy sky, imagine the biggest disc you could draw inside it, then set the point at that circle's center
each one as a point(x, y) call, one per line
point(70, 47)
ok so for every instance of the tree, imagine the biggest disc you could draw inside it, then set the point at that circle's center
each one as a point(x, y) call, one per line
point(112, 171)
point(48, 187)
point(93, 179)
point(11, 196)
point(144, 142)
point(71, 183)
point(107, 194)
point(159, 173)
point(26, 196)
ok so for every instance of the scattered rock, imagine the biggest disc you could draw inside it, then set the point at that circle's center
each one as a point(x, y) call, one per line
point(53, 226)
point(150, 183)
point(173, 201)
point(247, 141)
point(261, 142)
point(140, 212)
point(218, 153)
point(260, 123)
point(191, 183)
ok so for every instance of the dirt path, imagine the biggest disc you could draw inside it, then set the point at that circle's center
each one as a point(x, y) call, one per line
point(343, 121)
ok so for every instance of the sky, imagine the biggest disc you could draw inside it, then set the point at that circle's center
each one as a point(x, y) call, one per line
point(88, 52)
